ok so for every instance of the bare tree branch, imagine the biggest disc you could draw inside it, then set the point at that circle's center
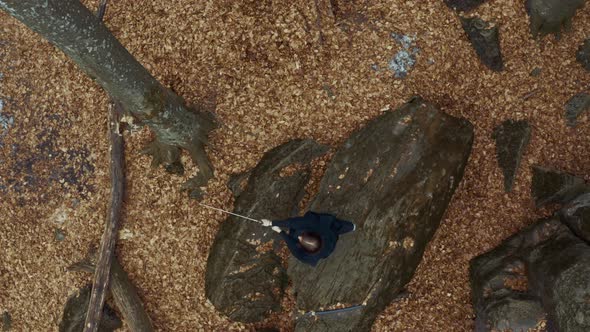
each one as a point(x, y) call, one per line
point(109, 237)
point(124, 294)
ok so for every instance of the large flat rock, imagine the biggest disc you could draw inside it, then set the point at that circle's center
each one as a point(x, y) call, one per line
point(550, 16)
point(243, 280)
point(540, 273)
point(559, 273)
point(501, 295)
point(393, 179)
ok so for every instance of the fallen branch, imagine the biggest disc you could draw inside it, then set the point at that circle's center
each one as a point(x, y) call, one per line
point(109, 237)
point(125, 295)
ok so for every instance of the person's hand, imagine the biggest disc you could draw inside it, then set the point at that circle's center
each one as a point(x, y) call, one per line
point(266, 223)
point(276, 229)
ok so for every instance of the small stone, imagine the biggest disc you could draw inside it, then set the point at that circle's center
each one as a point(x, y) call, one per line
point(550, 186)
point(512, 137)
point(577, 105)
point(125, 234)
point(583, 55)
point(464, 5)
point(60, 235)
point(536, 72)
point(485, 40)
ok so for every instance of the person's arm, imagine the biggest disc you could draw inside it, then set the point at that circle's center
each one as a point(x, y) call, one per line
point(282, 223)
point(342, 226)
point(307, 221)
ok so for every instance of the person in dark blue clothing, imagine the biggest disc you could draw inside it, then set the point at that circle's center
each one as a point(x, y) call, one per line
point(313, 236)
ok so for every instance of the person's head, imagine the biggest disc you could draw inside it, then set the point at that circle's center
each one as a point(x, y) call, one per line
point(310, 242)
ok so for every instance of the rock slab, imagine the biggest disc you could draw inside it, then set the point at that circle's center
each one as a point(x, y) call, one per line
point(512, 138)
point(550, 186)
point(485, 40)
point(576, 214)
point(393, 179)
point(540, 273)
point(243, 281)
point(549, 16)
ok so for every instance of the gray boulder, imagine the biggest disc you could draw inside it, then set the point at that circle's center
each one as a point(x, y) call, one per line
point(485, 40)
point(559, 271)
point(501, 297)
point(244, 281)
point(551, 186)
point(393, 179)
point(576, 214)
point(549, 16)
point(512, 138)
point(544, 266)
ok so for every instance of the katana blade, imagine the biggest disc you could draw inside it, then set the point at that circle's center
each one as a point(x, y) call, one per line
point(233, 214)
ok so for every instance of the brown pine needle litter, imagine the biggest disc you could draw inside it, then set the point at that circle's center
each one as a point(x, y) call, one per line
point(272, 71)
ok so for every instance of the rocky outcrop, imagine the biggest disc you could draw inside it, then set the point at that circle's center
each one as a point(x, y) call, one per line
point(541, 273)
point(393, 179)
point(485, 40)
point(243, 280)
point(550, 186)
point(576, 214)
point(559, 273)
point(512, 138)
point(75, 314)
point(549, 16)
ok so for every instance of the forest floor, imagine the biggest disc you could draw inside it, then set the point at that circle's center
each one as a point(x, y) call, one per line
point(272, 71)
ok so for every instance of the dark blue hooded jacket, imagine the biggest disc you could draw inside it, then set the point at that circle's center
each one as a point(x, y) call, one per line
point(326, 226)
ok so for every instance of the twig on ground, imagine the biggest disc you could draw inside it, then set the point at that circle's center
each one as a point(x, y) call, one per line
point(124, 293)
point(102, 8)
point(530, 94)
point(109, 237)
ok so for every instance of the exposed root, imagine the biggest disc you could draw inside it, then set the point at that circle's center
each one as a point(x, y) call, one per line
point(166, 155)
point(199, 157)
